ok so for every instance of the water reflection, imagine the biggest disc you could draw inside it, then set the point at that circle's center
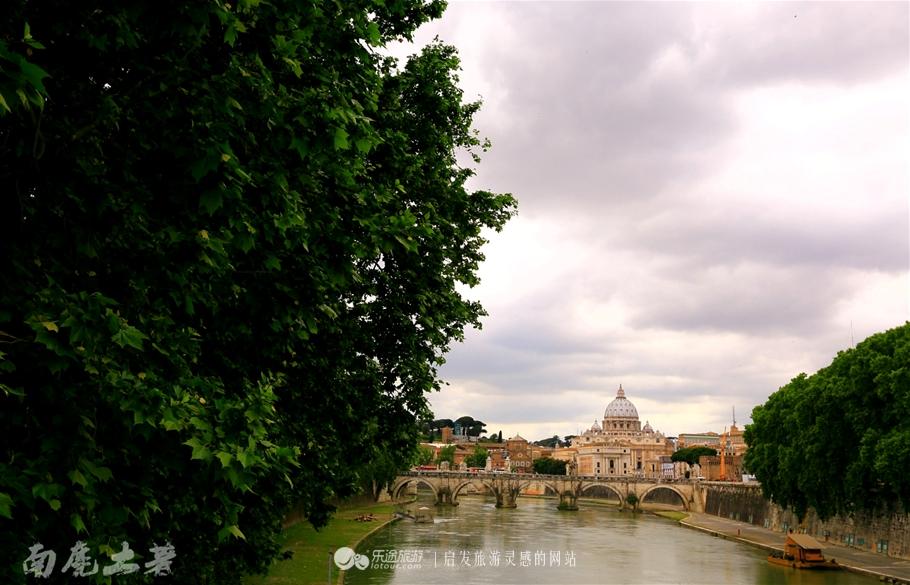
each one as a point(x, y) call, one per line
point(535, 543)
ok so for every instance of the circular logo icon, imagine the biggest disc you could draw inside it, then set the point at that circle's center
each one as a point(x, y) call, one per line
point(361, 562)
point(344, 557)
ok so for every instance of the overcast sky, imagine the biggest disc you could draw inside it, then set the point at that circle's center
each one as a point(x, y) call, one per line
point(709, 195)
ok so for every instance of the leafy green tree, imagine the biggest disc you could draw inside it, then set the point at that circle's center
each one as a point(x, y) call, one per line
point(473, 428)
point(549, 466)
point(551, 442)
point(839, 440)
point(447, 453)
point(691, 454)
point(443, 422)
point(424, 455)
point(227, 230)
point(499, 437)
point(381, 471)
point(478, 458)
point(632, 500)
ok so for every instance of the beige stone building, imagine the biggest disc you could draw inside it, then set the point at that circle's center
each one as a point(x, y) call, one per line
point(619, 445)
point(519, 451)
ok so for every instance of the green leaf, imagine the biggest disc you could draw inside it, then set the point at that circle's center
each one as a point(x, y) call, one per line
point(77, 477)
point(273, 263)
point(363, 144)
point(33, 74)
point(211, 201)
point(129, 336)
point(373, 36)
point(47, 491)
point(50, 326)
point(245, 458)
point(232, 530)
point(341, 139)
point(77, 523)
point(6, 504)
point(225, 458)
point(200, 451)
point(169, 420)
point(54, 504)
point(102, 473)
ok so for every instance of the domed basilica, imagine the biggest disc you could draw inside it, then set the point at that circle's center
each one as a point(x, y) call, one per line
point(619, 445)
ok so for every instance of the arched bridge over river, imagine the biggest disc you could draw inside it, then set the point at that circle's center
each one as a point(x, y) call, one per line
point(506, 487)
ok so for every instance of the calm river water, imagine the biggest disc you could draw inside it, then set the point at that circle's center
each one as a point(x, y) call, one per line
point(537, 544)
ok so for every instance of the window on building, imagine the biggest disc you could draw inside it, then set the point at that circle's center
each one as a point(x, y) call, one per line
point(882, 546)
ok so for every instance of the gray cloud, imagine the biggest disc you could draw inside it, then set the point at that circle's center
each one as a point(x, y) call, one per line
point(667, 257)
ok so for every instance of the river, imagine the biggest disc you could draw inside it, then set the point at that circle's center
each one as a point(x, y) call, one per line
point(537, 544)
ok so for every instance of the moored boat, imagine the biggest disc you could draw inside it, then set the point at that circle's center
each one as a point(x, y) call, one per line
point(801, 551)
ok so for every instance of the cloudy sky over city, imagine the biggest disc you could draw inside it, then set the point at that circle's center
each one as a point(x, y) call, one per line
point(712, 198)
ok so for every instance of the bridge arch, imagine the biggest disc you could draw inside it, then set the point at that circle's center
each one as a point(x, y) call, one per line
point(600, 487)
point(683, 500)
point(549, 489)
point(403, 482)
point(475, 482)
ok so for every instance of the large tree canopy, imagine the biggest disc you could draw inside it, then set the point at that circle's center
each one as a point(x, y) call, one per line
point(839, 440)
point(230, 243)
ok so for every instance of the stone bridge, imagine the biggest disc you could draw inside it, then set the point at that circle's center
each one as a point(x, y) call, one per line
point(506, 487)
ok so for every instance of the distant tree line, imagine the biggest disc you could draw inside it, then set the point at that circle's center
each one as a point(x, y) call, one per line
point(552, 442)
point(432, 429)
point(691, 454)
point(839, 440)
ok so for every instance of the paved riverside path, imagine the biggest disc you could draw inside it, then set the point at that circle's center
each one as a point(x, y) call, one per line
point(870, 563)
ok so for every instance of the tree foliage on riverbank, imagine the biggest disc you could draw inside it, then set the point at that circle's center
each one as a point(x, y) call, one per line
point(230, 239)
point(691, 454)
point(839, 440)
point(549, 466)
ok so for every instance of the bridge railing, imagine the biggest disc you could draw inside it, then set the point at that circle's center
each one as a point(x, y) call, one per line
point(543, 477)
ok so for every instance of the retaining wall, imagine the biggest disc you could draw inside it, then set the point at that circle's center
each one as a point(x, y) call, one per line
point(883, 532)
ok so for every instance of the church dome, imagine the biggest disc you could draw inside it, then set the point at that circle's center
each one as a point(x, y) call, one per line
point(647, 428)
point(595, 426)
point(621, 407)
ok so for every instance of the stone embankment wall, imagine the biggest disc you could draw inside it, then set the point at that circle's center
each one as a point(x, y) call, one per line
point(886, 533)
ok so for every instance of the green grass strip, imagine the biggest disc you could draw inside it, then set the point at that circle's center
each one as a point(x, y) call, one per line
point(313, 549)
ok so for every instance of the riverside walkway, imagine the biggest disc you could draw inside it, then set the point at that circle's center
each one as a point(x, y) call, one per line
point(877, 565)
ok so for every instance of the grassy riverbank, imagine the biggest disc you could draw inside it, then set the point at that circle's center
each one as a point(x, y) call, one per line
point(312, 549)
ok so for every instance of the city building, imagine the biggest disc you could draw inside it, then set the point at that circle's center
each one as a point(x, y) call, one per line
point(519, 455)
point(619, 445)
point(712, 470)
point(708, 439)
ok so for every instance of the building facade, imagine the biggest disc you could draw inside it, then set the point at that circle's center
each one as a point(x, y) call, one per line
point(619, 445)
